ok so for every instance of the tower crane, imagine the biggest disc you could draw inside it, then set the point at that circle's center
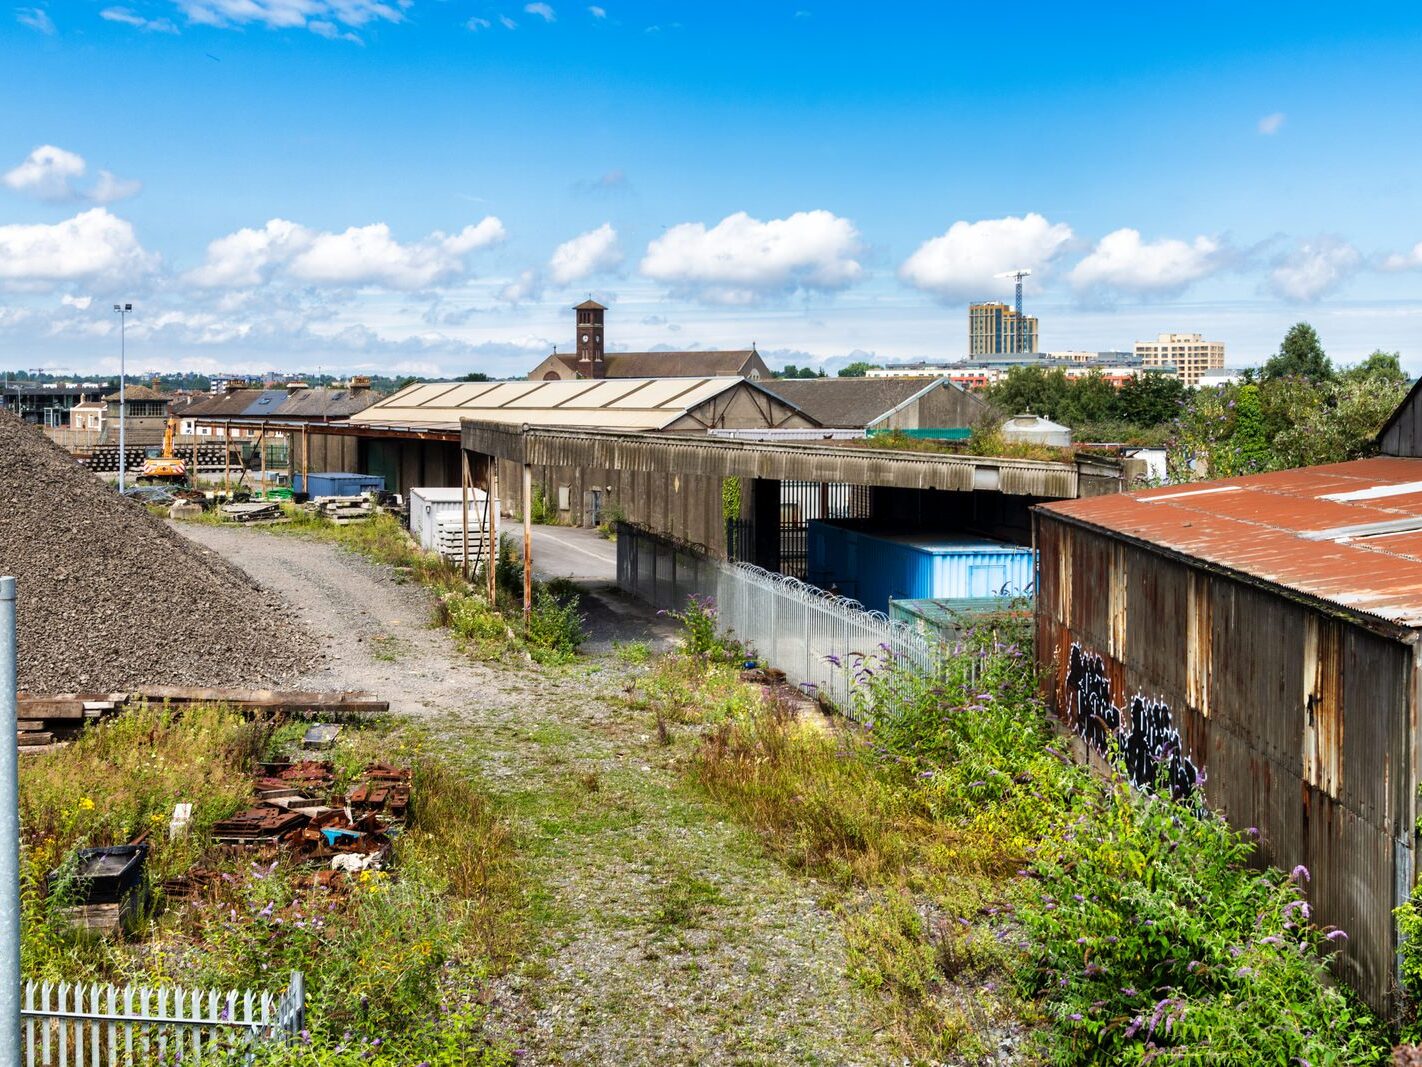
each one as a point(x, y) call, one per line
point(1017, 276)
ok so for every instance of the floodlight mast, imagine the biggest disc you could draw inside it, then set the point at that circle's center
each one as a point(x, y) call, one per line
point(123, 312)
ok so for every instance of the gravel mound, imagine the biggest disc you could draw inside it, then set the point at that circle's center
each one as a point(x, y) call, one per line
point(111, 598)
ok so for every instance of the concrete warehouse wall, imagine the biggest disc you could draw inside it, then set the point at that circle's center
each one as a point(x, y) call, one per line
point(684, 506)
point(1289, 717)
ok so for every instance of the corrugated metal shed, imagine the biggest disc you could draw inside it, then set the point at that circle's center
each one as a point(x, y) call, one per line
point(303, 404)
point(621, 404)
point(1347, 533)
point(859, 403)
point(1256, 638)
point(788, 461)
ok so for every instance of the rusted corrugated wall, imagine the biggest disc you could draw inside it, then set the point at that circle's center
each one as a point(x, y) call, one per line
point(1299, 720)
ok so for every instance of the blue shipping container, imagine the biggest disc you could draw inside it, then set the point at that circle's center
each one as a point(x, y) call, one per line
point(875, 568)
point(337, 483)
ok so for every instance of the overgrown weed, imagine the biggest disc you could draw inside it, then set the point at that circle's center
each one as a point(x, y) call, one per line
point(395, 966)
point(980, 864)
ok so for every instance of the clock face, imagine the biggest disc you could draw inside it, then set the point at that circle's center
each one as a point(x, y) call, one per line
point(585, 338)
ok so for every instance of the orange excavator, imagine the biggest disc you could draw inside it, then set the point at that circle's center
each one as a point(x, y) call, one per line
point(165, 468)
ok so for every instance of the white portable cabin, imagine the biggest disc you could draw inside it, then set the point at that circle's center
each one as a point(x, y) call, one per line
point(435, 520)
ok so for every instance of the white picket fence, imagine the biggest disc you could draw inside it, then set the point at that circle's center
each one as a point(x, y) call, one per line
point(98, 1025)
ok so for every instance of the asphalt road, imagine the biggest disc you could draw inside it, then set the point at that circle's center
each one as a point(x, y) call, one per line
point(569, 552)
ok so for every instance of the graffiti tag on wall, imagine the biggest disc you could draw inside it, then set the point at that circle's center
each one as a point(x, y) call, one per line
point(1144, 742)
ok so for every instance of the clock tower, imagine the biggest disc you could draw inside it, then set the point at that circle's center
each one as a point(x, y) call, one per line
point(589, 338)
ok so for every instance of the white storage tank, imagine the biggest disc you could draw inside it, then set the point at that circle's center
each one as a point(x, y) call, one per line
point(1035, 430)
point(436, 524)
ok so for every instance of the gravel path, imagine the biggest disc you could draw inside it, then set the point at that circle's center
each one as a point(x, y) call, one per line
point(664, 935)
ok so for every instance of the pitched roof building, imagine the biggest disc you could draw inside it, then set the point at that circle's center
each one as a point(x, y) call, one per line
point(589, 360)
point(882, 403)
point(681, 405)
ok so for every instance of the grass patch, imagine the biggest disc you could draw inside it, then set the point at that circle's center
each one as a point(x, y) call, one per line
point(681, 900)
point(396, 964)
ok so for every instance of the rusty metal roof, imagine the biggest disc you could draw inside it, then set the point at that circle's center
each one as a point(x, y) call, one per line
point(1346, 533)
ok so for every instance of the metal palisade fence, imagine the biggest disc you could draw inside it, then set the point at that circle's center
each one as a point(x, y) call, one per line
point(110, 1025)
point(815, 637)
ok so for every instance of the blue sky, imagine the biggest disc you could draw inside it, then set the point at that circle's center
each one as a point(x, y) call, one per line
point(426, 186)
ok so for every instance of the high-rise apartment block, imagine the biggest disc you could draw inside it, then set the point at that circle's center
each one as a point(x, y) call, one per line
point(997, 330)
point(1186, 352)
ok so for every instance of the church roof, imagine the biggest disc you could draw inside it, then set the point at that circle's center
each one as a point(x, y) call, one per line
point(707, 363)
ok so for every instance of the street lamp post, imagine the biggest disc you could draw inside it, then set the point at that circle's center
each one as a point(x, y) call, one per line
point(123, 311)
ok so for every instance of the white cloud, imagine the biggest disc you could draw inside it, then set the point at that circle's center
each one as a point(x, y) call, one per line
point(332, 32)
point(542, 10)
point(507, 23)
point(1271, 124)
point(47, 172)
point(50, 173)
point(109, 188)
point(248, 257)
point(741, 259)
point(527, 286)
point(92, 244)
point(1411, 260)
point(80, 303)
point(1122, 261)
point(134, 19)
point(961, 263)
point(476, 24)
point(598, 12)
point(1314, 269)
point(36, 18)
point(586, 254)
point(315, 15)
point(359, 256)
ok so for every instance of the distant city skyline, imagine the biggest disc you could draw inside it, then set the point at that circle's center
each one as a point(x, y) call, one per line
point(420, 187)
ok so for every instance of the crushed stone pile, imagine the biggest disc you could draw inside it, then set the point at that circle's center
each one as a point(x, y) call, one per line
point(111, 598)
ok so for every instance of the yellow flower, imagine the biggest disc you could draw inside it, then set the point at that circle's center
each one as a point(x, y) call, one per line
point(86, 804)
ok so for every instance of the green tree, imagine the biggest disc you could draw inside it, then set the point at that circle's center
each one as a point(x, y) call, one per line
point(1384, 366)
point(1150, 400)
point(1301, 355)
point(474, 376)
point(1248, 444)
point(792, 371)
point(857, 369)
point(1087, 400)
point(1030, 389)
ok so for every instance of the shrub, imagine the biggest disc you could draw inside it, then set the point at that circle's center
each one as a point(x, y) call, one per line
point(480, 629)
point(542, 511)
point(555, 626)
point(701, 630)
point(611, 517)
point(1148, 931)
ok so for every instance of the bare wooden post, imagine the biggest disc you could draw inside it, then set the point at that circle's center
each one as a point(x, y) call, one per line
point(491, 529)
point(527, 543)
point(227, 457)
point(464, 509)
point(193, 481)
point(306, 460)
